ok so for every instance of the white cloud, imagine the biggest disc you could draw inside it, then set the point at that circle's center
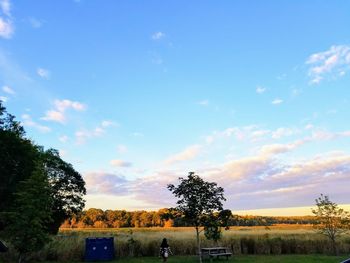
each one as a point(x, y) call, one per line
point(331, 63)
point(189, 153)
point(6, 28)
point(63, 138)
point(56, 116)
point(106, 183)
point(6, 24)
point(5, 6)
point(260, 89)
point(60, 106)
point(274, 149)
point(120, 163)
point(282, 132)
point(277, 101)
point(106, 123)
point(83, 135)
point(3, 98)
point(44, 73)
point(8, 90)
point(158, 35)
point(27, 121)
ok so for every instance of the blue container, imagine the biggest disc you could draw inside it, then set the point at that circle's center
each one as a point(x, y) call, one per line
point(99, 249)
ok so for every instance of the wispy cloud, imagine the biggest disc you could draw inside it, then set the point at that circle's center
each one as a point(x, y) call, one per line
point(277, 101)
point(4, 99)
point(6, 21)
point(35, 23)
point(43, 73)
point(260, 89)
point(106, 183)
point(282, 132)
point(332, 63)
point(63, 138)
point(107, 123)
point(83, 135)
point(120, 163)
point(158, 35)
point(203, 102)
point(27, 121)
point(189, 153)
point(8, 90)
point(137, 134)
point(5, 7)
point(57, 114)
point(122, 148)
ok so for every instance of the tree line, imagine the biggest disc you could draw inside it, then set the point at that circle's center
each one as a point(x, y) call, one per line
point(166, 217)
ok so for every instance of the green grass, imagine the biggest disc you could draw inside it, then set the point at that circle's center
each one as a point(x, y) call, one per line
point(242, 259)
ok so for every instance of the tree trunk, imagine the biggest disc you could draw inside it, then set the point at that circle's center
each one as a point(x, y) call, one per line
point(20, 258)
point(199, 245)
point(334, 247)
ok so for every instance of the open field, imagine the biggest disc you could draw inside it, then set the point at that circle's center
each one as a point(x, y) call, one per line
point(285, 242)
point(242, 259)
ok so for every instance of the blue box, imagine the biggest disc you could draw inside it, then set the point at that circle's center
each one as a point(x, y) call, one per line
point(99, 249)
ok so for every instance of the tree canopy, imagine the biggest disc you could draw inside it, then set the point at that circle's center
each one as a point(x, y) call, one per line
point(59, 187)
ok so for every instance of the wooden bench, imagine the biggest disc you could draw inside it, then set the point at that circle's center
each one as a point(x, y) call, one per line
point(216, 252)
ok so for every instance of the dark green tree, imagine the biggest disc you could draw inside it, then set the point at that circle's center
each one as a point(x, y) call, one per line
point(198, 200)
point(30, 214)
point(332, 221)
point(214, 223)
point(67, 188)
point(18, 159)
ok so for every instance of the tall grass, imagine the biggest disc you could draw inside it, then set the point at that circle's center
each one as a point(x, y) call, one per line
point(69, 244)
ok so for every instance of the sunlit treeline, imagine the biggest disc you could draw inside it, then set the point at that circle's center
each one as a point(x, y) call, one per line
point(98, 218)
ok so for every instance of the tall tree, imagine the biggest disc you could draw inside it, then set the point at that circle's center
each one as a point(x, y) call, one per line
point(332, 221)
point(198, 200)
point(67, 188)
point(30, 214)
point(18, 159)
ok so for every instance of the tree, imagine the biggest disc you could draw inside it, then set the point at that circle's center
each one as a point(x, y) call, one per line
point(198, 200)
point(67, 188)
point(214, 222)
point(332, 221)
point(18, 159)
point(30, 214)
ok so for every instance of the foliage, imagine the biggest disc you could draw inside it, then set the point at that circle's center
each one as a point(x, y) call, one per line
point(332, 220)
point(21, 163)
point(18, 159)
point(67, 188)
point(198, 200)
point(30, 214)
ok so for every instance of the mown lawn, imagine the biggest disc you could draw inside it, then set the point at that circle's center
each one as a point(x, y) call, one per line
point(242, 259)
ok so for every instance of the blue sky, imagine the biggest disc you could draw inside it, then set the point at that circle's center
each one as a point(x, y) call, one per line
point(135, 94)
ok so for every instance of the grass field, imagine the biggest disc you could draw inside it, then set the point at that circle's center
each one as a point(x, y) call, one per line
point(282, 243)
point(242, 259)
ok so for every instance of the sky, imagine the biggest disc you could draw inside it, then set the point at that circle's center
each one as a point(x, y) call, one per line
point(135, 94)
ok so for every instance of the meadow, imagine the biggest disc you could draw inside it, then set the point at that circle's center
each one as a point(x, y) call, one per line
point(248, 244)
